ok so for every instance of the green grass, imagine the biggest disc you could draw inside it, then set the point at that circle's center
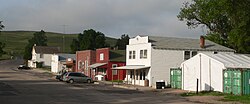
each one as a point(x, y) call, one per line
point(17, 40)
point(245, 99)
point(204, 93)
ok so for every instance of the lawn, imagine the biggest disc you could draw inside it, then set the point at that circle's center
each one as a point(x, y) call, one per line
point(17, 40)
point(227, 97)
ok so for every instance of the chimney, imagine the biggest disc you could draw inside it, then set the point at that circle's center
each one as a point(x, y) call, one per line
point(202, 41)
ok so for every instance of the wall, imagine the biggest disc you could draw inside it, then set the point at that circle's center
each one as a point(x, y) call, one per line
point(87, 58)
point(54, 63)
point(104, 52)
point(207, 70)
point(122, 73)
point(162, 61)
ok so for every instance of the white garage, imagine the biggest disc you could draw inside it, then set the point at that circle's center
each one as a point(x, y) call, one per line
point(208, 69)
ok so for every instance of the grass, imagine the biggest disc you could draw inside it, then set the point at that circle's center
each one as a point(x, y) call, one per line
point(227, 97)
point(17, 40)
point(243, 99)
point(204, 93)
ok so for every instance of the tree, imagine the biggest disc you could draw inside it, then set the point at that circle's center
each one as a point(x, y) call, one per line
point(227, 21)
point(90, 39)
point(39, 38)
point(2, 45)
point(122, 42)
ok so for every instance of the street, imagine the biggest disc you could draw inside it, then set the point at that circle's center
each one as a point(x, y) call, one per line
point(26, 87)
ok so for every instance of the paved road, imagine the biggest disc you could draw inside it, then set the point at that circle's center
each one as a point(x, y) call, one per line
point(26, 87)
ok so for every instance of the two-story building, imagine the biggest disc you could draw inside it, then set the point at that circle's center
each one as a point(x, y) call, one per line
point(149, 58)
point(97, 64)
point(42, 54)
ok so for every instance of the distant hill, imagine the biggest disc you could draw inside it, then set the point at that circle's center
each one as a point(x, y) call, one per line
point(17, 40)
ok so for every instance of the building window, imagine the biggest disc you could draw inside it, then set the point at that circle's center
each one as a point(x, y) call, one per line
point(194, 53)
point(186, 55)
point(143, 54)
point(41, 56)
point(131, 55)
point(215, 52)
point(114, 72)
point(101, 56)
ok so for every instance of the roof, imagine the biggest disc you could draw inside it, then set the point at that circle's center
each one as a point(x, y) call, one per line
point(65, 56)
point(185, 44)
point(131, 67)
point(231, 60)
point(97, 65)
point(117, 55)
point(47, 49)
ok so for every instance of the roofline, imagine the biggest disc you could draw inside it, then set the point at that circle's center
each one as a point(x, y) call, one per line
point(194, 49)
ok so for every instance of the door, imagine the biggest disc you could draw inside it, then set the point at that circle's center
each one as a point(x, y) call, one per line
point(175, 78)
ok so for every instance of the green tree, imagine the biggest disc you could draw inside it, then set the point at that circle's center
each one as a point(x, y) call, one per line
point(122, 42)
point(90, 39)
point(2, 45)
point(227, 21)
point(39, 38)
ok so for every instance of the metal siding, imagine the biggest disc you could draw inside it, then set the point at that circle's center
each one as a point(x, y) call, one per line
point(232, 81)
point(246, 82)
point(175, 78)
point(162, 61)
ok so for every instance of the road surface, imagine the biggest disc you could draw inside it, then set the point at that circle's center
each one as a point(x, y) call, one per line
point(27, 87)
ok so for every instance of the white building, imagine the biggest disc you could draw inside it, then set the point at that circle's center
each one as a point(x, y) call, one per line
point(151, 57)
point(208, 69)
point(58, 61)
point(42, 54)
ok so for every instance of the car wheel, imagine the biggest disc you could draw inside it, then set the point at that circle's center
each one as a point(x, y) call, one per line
point(88, 81)
point(71, 81)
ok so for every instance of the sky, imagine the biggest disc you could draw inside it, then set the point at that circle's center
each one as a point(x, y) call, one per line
point(111, 17)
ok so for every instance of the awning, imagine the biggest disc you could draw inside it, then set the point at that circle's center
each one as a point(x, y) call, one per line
point(97, 65)
point(131, 67)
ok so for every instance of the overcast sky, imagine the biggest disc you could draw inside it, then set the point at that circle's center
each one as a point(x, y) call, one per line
point(111, 17)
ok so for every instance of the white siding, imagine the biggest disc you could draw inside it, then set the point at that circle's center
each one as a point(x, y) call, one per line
point(162, 61)
point(54, 63)
point(207, 70)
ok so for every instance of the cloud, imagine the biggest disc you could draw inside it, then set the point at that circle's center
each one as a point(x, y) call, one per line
point(112, 17)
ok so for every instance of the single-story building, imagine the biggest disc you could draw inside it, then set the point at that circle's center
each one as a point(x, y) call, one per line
point(211, 71)
point(58, 62)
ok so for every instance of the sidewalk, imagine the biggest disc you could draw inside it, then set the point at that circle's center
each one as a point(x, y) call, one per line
point(144, 88)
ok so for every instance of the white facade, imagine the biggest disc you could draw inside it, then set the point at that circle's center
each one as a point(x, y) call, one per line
point(159, 61)
point(56, 65)
point(39, 57)
point(137, 44)
point(208, 69)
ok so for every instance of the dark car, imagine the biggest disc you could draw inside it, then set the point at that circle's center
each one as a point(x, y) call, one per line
point(60, 76)
point(72, 77)
point(23, 67)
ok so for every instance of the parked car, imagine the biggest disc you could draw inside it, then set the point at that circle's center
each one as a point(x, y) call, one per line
point(72, 77)
point(60, 76)
point(23, 67)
